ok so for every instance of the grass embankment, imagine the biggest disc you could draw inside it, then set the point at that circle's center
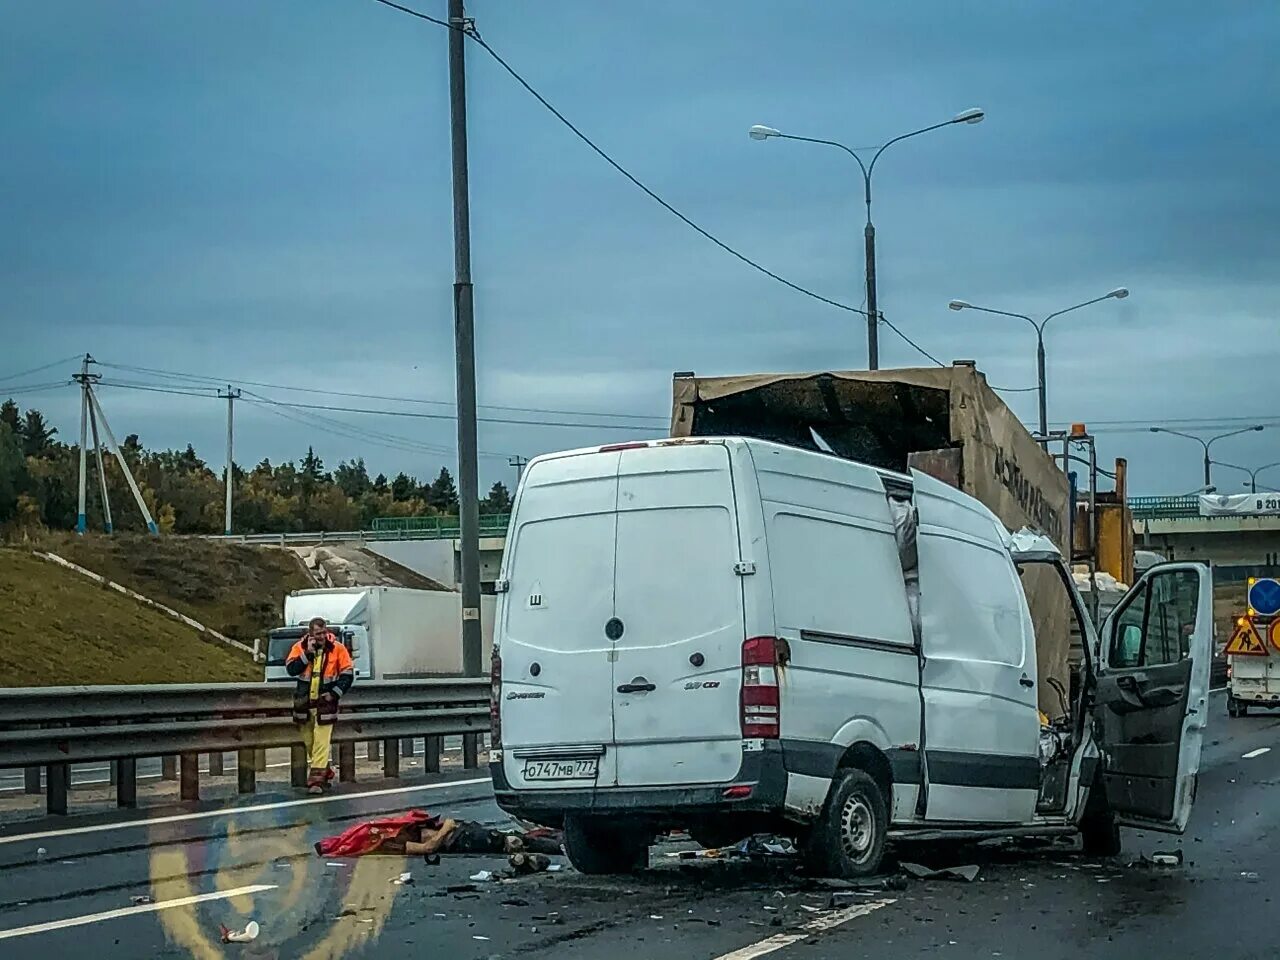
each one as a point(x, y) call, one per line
point(60, 628)
point(232, 588)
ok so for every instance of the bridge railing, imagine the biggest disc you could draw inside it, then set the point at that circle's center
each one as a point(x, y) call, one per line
point(1164, 508)
point(55, 727)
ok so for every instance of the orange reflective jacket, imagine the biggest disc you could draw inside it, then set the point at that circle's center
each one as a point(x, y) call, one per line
point(337, 672)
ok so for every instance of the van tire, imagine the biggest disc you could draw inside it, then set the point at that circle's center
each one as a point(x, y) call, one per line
point(595, 847)
point(848, 841)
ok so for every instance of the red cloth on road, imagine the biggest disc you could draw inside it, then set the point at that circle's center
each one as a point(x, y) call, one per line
point(366, 837)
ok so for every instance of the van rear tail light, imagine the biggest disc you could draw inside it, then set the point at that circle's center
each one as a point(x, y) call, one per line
point(495, 702)
point(760, 699)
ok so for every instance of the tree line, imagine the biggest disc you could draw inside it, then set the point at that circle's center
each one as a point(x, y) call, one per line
point(39, 477)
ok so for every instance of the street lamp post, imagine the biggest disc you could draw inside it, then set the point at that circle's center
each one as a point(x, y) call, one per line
point(1252, 482)
point(759, 132)
point(1208, 478)
point(1117, 294)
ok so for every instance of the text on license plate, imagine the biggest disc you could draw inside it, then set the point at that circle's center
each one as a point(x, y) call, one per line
point(561, 769)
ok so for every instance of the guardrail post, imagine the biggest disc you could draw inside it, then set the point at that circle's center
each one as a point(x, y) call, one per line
point(431, 754)
point(391, 759)
point(126, 782)
point(298, 765)
point(169, 768)
point(347, 762)
point(374, 751)
point(260, 760)
point(246, 775)
point(57, 780)
point(470, 749)
point(189, 782)
point(215, 765)
point(406, 746)
point(31, 780)
point(113, 772)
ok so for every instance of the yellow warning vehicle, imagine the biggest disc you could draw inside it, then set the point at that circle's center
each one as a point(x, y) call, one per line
point(1253, 652)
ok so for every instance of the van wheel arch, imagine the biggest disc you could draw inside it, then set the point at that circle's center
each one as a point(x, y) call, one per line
point(870, 759)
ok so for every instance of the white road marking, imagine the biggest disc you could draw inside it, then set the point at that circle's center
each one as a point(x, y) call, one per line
point(816, 925)
point(236, 811)
point(130, 911)
point(1256, 753)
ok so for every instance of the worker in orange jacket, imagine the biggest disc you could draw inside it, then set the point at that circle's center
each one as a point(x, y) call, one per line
point(325, 672)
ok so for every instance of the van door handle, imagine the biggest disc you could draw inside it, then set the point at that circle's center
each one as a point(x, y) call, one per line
point(637, 688)
point(1026, 681)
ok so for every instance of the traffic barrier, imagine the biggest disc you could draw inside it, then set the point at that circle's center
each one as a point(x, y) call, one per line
point(54, 727)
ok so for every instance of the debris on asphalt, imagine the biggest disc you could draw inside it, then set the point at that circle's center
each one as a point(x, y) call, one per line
point(460, 888)
point(1167, 859)
point(529, 862)
point(865, 884)
point(967, 873)
point(41, 853)
point(765, 845)
point(140, 899)
point(1249, 874)
point(405, 879)
point(247, 935)
point(484, 876)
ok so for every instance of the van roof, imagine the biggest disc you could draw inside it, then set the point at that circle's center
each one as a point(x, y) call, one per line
point(750, 442)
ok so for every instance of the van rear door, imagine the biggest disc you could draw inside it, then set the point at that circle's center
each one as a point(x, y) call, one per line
point(1152, 699)
point(557, 670)
point(677, 618)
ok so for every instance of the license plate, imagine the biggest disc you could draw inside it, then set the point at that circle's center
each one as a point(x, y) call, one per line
point(561, 769)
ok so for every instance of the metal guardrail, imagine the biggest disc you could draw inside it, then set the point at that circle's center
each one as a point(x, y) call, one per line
point(54, 727)
point(491, 524)
point(360, 536)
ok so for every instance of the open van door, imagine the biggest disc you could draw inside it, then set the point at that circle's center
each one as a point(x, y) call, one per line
point(1152, 696)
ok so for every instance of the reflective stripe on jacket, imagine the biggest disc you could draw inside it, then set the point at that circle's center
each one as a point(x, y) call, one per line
point(336, 674)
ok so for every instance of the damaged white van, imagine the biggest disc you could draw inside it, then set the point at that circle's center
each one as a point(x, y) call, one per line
point(729, 635)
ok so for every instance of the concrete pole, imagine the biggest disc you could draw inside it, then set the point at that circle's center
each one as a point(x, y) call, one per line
point(102, 473)
point(81, 522)
point(464, 348)
point(229, 477)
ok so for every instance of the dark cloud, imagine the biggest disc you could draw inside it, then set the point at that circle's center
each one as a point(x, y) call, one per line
point(262, 191)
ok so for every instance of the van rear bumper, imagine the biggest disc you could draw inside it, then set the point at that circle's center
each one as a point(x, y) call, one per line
point(762, 770)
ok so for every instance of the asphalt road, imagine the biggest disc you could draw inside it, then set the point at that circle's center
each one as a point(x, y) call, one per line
point(217, 866)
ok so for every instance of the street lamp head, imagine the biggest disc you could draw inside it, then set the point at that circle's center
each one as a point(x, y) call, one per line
point(1258, 427)
point(1157, 430)
point(1119, 293)
point(972, 115)
point(959, 304)
point(760, 132)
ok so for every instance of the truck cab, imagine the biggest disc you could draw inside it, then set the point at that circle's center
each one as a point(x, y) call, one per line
point(281, 640)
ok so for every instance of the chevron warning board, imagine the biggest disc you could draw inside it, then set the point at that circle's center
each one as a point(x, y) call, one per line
point(1245, 642)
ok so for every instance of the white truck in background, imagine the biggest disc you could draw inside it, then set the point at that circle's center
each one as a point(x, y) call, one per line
point(393, 633)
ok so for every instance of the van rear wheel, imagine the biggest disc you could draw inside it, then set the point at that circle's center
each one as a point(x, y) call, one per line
point(596, 847)
point(848, 842)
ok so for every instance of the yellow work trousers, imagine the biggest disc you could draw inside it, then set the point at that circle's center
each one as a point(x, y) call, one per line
point(316, 738)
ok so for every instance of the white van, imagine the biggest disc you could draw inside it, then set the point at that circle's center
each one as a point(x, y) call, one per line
point(730, 635)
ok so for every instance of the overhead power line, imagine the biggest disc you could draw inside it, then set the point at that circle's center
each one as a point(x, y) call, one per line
point(26, 373)
point(26, 388)
point(195, 377)
point(470, 30)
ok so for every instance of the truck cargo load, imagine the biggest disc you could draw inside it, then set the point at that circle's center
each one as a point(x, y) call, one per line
point(945, 421)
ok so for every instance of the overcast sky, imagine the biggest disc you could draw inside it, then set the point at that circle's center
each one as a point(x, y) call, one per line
point(260, 191)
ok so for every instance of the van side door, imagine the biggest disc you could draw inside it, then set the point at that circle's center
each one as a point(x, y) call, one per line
point(1152, 695)
point(978, 664)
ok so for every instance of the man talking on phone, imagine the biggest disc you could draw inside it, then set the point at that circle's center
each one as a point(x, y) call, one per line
point(325, 672)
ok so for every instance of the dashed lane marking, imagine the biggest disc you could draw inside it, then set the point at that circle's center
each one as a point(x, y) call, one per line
point(816, 925)
point(130, 911)
point(1256, 753)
